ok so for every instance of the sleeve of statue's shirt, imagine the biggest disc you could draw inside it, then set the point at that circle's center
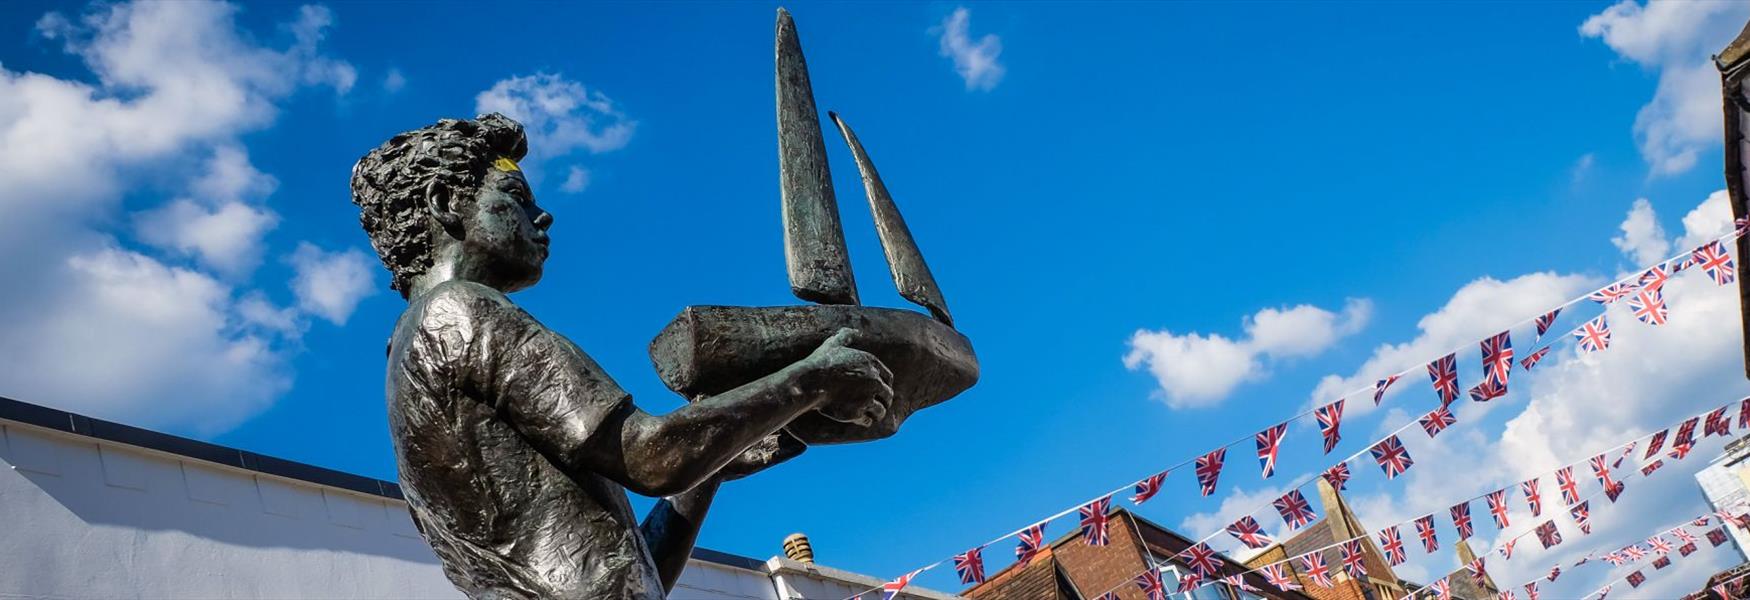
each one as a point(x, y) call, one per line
point(555, 395)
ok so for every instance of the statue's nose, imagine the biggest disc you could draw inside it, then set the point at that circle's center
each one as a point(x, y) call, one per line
point(544, 220)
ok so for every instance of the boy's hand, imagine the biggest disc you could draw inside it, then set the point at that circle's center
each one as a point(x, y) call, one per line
point(852, 386)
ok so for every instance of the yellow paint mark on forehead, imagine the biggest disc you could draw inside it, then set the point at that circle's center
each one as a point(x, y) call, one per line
point(505, 164)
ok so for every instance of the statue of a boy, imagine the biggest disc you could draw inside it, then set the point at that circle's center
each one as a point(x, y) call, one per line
point(515, 449)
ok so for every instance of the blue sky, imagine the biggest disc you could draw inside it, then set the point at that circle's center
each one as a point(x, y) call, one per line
point(189, 260)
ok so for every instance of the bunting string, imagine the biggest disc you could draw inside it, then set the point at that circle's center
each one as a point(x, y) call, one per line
point(1661, 549)
point(1643, 288)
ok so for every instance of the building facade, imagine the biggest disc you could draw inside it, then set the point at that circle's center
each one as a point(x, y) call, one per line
point(1725, 482)
point(94, 509)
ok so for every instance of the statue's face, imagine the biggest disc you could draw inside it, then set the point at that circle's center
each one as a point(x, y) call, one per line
point(506, 231)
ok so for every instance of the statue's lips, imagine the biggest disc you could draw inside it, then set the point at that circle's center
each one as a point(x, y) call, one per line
point(708, 350)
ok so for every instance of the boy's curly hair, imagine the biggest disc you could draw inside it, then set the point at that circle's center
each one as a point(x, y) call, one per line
point(389, 184)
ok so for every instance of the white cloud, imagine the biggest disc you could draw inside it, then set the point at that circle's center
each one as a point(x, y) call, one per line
point(92, 325)
point(560, 116)
point(1196, 370)
point(1676, 39)
point(330, 284)
point(1582, 167)
point(976, 62)
point(1642, 239)
point(575, 180)
point(394, 81)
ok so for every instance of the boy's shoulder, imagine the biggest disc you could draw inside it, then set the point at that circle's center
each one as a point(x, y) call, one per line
point(454, 304)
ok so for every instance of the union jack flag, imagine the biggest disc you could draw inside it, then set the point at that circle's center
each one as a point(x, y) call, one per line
point(1680, 451)
point(1477, 573)
point(1531, 591)
point(1554, 572)
point(1392, 457)
point(891, 589)
point(1532, 498)
point(1634, 552)
point(1247, 531)
point(1338, 476)
point(1714, 259)
point(1505, 595)
point(1487, 390)
point(1604, 592)
point(1209, 470)
point(1189, 581)
point(1548, 536)
point(1147, 488)
point(1652, 466)
point(1683, 536)
point(1661, 562)
point(1442, 589)
point(1570, 489)
point(1498, 507)
point(1353, 560)
point(1658, 544)
point(1461, 519)
point(1654, 278)
point(1295, 510)
point(1094, 521)
point(1615, 490)
point(1717, 423)
point(1545, 321)
point(1657, 443)
point(1497, 358)
point(1615, 559)
point(1393, 546)
point(1238, 580)
point(1700, 521)
point(1582, 517)
point(1279, 577)
point(1425, 530)
point(1649, 307)
point(1594, 335)
point(1602, 472)
point(1268, 441)
point(1686, 432)
point(970, 566)
point(1507, 549)
point(1032, 542)
point(1379, 388)
point(1626, 451)
point(1716, 536)
point(1721, 591)
point(1150, 583)
point(1330, 418)
point(1201, 560)
point(1313, 564)
point(1612, 293)
point(1635, 579)
point(1744, 414)
point(1444, 373)
point(1531, 361)
point(1437, 421)
point(1686, 549)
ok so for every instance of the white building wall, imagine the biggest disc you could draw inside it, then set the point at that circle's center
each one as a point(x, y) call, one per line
point(1723, 484)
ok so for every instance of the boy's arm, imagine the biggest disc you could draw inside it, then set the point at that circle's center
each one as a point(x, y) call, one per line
point(672, 527)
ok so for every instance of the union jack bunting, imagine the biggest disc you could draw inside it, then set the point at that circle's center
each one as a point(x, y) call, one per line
point(1147, 488)
point(1247, 531)
point(1425, 530)
point(1507, 549)
point(1658, 544)
point(1657, 443)
point(1716, 536)
point(1649, 307)
point(1312, 564)
point(1545, 321)
point(891, 589)
point(1150, 584)
point(1714, 259)
point(1744, 414)
point(1353, 559)
point(1615, 490)
point(1032, 542)
point(1741, 225)
point(1634, 552)
point(1497, 358)
point(1602, 471)
point(1683, 535)
point(1189, 581)
point(1635, 579)
point(1717, 423)
point(1279, 577)
point(1295, 510)
point(970, 566)
point(1582, 517)
point(1443, 372)
point(1477, 573)
point(1392, 457)
point(1602, 594)
point(1379, 388)
point(1442, 589)
point(1721, 591)
point(1330, 418)
point(1392, 545)
point(1239, 581)
point(1594, 335)
point(1498, 507)
point(1532, 498)
point(1338, 476)
point(1610, 294)
point(1487, 390)
point(1269, 440)
point(1615, 559)
point(1437, 421)
point(1201, 560)
point(1094, 521)
point(1570, 488)
point(1505, 595)
point(1686, 549)
point(1700, 521)
point(1654, 278)
point(1461, 519)
point(1680, 451)
point(1531, 361)
point(1554, 572)
point(1686, 432)
point(1652, 466)
point(1531, 591)
point(1209, 470)
point(1626, 451)
point(1547, 535)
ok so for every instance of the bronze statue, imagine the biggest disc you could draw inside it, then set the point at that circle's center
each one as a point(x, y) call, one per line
point(515, 449)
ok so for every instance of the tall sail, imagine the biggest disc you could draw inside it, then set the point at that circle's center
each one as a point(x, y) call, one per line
point(910, 274)
point(814, 242)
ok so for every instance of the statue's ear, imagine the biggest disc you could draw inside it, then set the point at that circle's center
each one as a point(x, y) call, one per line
point(439, 203)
